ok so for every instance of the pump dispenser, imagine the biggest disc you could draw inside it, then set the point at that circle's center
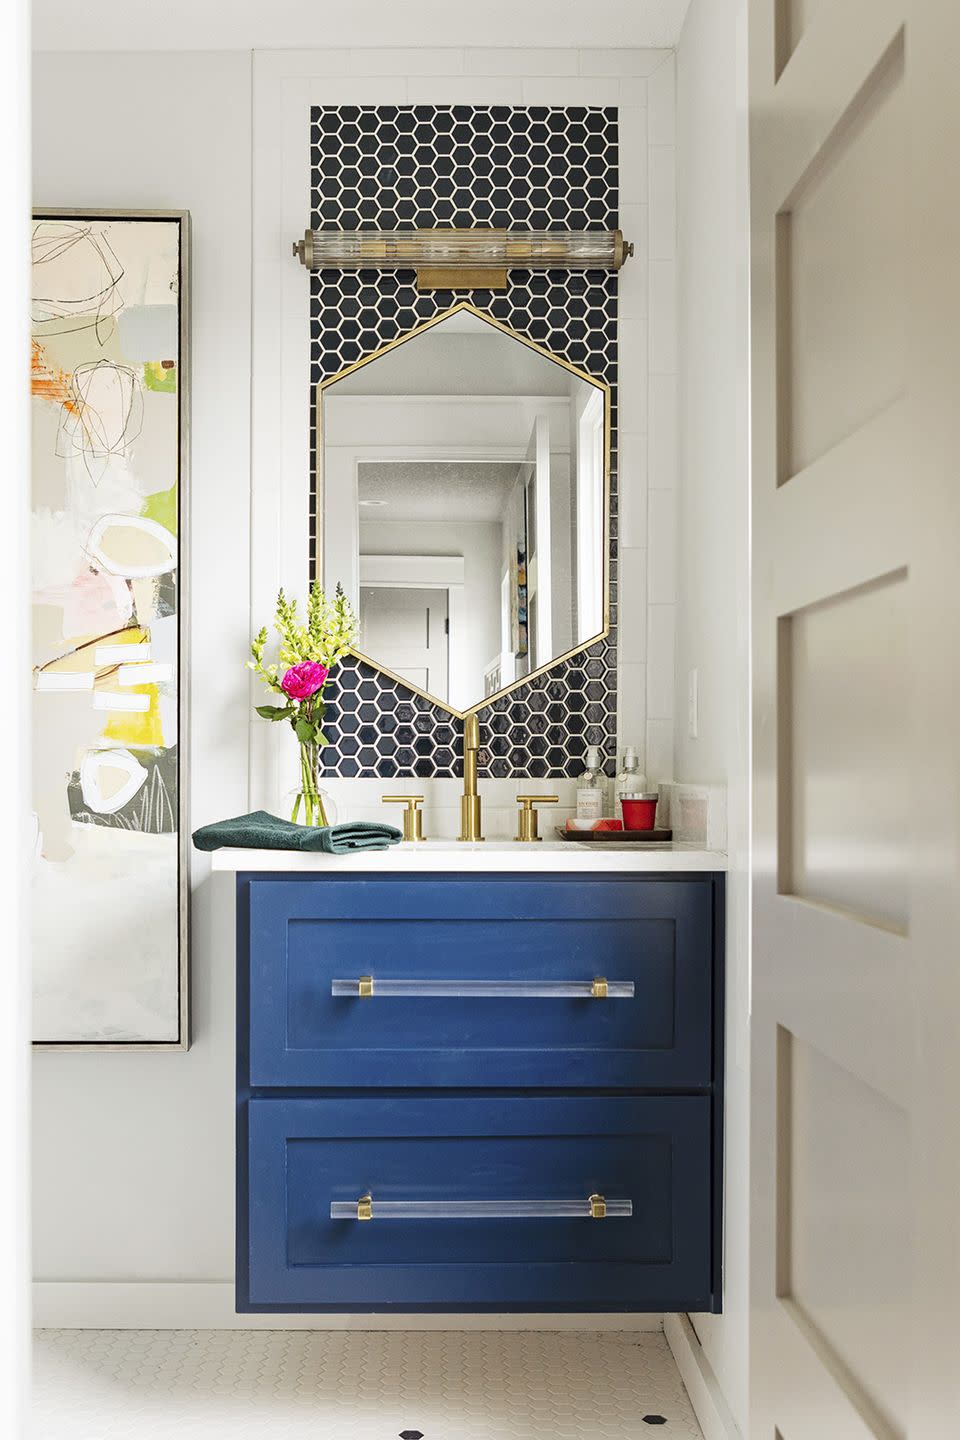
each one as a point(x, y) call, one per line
point(592, 788)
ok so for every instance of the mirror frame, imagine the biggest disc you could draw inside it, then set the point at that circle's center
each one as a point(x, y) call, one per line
point(601, 385)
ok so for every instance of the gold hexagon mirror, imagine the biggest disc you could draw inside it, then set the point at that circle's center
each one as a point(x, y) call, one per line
point(463, 502)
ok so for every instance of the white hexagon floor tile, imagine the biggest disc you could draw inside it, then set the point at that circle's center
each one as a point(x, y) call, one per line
point(456, 1385)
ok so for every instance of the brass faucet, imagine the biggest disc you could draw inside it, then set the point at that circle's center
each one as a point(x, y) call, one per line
point(470, 803)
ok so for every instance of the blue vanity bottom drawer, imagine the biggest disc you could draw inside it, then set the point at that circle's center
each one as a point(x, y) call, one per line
point(305, 1155)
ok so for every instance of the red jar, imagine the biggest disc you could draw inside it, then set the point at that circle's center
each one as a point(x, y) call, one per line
point(639, 811)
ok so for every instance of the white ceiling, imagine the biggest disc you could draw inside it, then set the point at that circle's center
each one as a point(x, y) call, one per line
point(439, 490)
point(320, 24)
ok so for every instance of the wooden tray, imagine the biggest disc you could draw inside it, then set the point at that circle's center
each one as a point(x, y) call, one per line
point(632, 837)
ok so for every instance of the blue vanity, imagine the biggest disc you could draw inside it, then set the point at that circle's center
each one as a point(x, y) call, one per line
point(484, 1089)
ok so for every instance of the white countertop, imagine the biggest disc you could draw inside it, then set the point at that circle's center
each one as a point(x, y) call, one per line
point(493, 855)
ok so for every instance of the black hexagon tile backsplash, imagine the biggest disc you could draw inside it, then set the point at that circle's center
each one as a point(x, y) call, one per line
point(391, 167)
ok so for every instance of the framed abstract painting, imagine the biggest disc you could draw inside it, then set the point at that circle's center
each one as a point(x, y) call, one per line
point(109, 380)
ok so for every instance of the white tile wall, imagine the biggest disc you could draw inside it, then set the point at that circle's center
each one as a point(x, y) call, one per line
point(523, 62)
point(663, 202)
point(363, 800)
point(420, 61)
point(465, 90)
point(662, 578)
point(633, 489)
point(660, 660)
point(630, 63)
point(648, 418)
point(634, 160)
point(634, 591)
point(662, 454)
point(661, 89)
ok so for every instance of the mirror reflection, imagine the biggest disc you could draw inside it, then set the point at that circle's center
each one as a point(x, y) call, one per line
point(463, 506)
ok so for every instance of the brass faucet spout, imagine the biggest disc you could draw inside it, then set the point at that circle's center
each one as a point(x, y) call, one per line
point(470, 822)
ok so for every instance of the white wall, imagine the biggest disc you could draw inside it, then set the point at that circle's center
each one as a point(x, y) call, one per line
point(712, 548)
point(133, 1154)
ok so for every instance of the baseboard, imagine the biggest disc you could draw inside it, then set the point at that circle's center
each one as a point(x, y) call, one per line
point(171, 1305)
point(706, 1397)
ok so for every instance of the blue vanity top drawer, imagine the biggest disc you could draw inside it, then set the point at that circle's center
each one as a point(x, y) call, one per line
point(467, 938)
point(548, 1154)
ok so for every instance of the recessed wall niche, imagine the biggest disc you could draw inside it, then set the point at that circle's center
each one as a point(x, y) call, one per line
point(537, 167)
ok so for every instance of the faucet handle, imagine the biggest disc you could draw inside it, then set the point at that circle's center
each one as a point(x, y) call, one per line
point(412, 816)
point(527, 816)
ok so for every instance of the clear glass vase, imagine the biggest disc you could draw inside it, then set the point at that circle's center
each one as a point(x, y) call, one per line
point(308, 803)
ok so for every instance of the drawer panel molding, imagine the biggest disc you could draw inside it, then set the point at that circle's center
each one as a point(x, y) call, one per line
point(310, 1162)
point(441, 981)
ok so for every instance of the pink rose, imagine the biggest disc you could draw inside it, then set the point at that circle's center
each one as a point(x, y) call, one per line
point(303, 680)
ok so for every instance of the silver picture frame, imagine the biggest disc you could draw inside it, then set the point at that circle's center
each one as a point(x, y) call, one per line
point(182, 217)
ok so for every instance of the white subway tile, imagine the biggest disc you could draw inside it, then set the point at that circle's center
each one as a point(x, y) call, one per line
point(576, 90)
point(663, 548)
point(633, 582)
point(632, 355)
point(662, 183)
point(464, 90)
point(402, 62)
point(290, 64)
point(661, 103)
point(633, 92)
point(521, 62)
point(620, 62)
point(632, 488)
point(662, 455)
point(660, 661)
point(663, 317)
point(633, 154)
point(659, 757)
point(503, 793)
point(359, 90)
point(632, 286)
point(632, 706)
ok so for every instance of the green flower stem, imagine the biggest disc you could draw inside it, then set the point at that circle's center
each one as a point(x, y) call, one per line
point(314, 811)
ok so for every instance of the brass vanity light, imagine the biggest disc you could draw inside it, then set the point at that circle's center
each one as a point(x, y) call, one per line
point(527, 816)
point(449, 259)
point(412, 816)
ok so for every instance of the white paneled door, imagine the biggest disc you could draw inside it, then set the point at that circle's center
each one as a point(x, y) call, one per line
point(855, 1158)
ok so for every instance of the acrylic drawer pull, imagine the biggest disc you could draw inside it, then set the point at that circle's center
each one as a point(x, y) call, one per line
point(594, 1207)
point(599, 988)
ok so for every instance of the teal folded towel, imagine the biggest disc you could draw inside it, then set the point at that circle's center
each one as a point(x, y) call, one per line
point(262, 831)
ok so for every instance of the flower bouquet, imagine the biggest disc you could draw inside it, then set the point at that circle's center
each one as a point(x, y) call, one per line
point(307, 654)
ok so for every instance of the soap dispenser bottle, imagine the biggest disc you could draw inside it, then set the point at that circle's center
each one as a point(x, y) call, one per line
point(592, 788)
point(630, 779)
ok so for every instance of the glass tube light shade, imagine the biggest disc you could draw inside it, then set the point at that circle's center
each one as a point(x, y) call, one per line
point(579, 1209)
point(483, 989)
point(462, 249)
